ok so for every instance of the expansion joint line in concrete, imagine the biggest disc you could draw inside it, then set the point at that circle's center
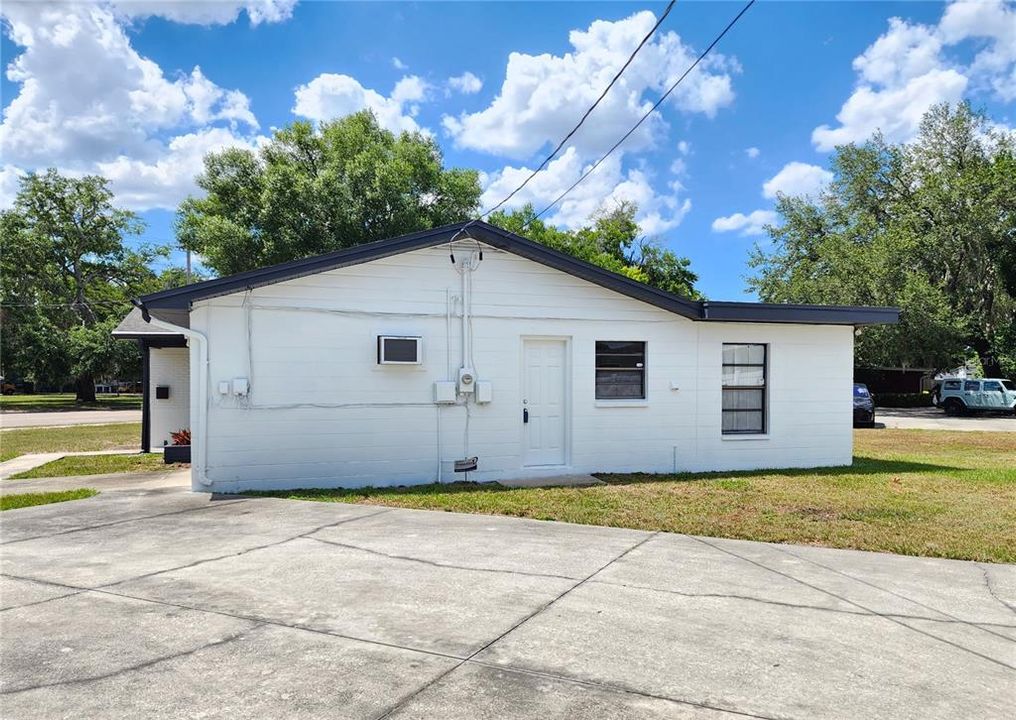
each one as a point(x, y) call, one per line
point(457, 659)
point(238, 553)
point(874, 612)
point(799, 606)
point(436, 564)
point(97, 526)
point(904, 597)
point(471, 658)
point(134, 668)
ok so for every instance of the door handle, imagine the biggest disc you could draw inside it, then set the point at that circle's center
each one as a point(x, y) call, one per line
point(525, 415)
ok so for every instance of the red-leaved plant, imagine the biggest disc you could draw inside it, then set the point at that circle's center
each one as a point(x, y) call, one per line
point(181, 437)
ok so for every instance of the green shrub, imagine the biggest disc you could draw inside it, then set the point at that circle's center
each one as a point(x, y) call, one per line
point(903, 400)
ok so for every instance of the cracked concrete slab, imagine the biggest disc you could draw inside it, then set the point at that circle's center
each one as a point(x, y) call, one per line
point(100, 511)
point(890, 584)
point(358, 594)
point(483, 541)
point(88, 636)
point(685, 566)
point(15, 593)
point(237, 608)
point(125, 550)
point(476, 692)
point(228, 669)
point(762, 659)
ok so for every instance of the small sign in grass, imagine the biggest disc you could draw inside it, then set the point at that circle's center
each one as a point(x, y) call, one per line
point(23, 500)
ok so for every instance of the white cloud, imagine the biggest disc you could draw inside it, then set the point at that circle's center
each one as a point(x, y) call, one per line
point(214, 12)
point(797, 178)
point(603, 189)
point(466, 83)
point(542, 95)
point(907, 70)
point(752, 152)
point(162, 181)
point(751, 224)
point(9, 184)
point(86, 98)
point(398, 64)
point(329, 96)
point(995, 21)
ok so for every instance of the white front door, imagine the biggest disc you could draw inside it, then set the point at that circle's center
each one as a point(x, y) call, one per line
point(544, 402)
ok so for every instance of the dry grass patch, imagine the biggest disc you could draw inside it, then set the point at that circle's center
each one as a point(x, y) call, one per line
point(914, 492)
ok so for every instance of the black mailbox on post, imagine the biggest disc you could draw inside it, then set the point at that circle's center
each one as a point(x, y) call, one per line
point(162, 392)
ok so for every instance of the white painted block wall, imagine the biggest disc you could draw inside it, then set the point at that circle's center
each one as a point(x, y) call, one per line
point(322, 412)
point(169, 366)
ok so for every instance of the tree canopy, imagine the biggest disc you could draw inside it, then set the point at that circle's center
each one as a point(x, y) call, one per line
point(67, 280)
point(929, 226)
point(613, 241)
point(309, 191)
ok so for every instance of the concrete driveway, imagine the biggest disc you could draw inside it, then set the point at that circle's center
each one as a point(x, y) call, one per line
point(64, 418)
point(167, 604)
point(935, 419)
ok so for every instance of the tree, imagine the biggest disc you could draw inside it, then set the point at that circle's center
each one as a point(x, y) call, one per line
point(613, 241)
point(929, 226)
point(308, 191)
point(66, 280)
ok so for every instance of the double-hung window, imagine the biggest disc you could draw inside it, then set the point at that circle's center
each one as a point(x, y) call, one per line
point(620, 370)
point(744, 388)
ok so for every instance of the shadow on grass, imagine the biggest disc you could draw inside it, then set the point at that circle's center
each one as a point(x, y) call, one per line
point(861, 466)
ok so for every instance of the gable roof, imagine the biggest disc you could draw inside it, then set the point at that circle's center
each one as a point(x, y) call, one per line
point(180, 299)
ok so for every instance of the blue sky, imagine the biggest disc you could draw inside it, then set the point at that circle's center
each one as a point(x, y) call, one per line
point(113, 88)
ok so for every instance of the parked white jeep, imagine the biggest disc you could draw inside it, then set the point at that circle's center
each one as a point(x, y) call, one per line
point(961, 395)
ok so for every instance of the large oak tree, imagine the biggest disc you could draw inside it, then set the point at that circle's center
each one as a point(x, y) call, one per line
point(67, 279)
point(929, 226)
point(312, 190)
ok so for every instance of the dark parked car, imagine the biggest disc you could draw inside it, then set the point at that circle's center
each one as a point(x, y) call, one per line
point(864, 406)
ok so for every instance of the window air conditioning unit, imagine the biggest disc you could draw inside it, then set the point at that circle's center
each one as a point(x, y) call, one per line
point(399, 350)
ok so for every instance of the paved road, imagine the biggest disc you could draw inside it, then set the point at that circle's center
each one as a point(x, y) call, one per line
point(164, 603)
point(67, 417)
point(935, 419)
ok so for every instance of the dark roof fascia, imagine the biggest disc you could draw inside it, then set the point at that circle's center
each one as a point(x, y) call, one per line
point(182, 297)
point(799, 314)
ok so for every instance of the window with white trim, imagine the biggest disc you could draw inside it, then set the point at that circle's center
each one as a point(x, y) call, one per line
point(744, 388)
point(620, 370)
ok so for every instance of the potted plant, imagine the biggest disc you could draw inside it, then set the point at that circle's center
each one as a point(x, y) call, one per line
point(179, 451)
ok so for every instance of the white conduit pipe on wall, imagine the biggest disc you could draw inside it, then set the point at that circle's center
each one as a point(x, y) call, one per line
point(199, 463)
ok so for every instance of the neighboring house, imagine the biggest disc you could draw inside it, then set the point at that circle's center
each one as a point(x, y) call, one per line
point(386, 363)
point(881, 380)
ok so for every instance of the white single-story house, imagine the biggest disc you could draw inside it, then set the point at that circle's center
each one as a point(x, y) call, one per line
point(476, 354)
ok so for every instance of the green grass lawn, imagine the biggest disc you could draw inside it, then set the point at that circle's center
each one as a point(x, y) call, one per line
point(97, 465)
point(81, 437)
point(45, 402)
point(914, 492)
point(23, 500)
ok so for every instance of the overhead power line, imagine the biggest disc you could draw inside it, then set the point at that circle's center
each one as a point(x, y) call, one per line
point(587, 113)
point(578, 125)
point(651, 110)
